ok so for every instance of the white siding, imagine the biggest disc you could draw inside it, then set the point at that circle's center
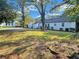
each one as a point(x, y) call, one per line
point(15, 23)
point(35, 26)
point(57, 26)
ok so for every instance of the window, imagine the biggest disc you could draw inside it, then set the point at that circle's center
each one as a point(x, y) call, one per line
point(72, 29)
point(61, 29)
point(67, 29)
point(54, 24)
point(63, 24)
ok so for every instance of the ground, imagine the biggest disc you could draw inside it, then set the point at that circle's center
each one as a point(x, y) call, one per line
point(38, 45)
point(47, 35)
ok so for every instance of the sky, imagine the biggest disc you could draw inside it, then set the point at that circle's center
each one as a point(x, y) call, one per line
point(35, 13)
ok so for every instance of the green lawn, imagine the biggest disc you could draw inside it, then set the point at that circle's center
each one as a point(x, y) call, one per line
point(29, 42)
point(43, 35)
point(59, 33)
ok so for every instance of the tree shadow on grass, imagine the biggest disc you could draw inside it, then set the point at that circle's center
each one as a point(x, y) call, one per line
point(74, 56)
point(75, 36)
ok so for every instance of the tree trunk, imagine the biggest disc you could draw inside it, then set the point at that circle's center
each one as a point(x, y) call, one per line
point(77, 27)
point(76, 30)
point(42, 15)
point(12, 22)
point(43, 21)
point(23, 16)
point(9, 23)
point(6, 22)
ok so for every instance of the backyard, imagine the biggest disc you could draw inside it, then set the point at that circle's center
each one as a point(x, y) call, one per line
point(48, 35)
point(37, 44)
point(39, 29)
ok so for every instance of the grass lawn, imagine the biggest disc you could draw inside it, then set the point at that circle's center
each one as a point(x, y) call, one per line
point(32, 44)
point(47, 35)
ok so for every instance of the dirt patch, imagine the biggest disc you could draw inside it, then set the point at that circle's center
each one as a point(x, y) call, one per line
point(43, 50)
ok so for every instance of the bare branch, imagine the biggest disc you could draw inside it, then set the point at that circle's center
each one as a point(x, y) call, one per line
point(34, 4)
point(38, 8)
point(59, 5)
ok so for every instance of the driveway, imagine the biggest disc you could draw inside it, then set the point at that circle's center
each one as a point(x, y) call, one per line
point(12, 29)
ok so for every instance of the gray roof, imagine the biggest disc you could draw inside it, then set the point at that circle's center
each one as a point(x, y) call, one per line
point(55, 20)
point(59, 19)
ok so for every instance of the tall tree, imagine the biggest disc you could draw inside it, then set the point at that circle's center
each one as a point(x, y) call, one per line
point(22, 4)
point(7, 16)
point(58, 5)
point(6, 12)
point(73, 12)
point(41, 6)
point(73, 6)
point(28, 19)
point(3, 6)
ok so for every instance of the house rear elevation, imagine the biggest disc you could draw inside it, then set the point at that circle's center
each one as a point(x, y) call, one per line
point(60, 23)
point(57, 23)
point(62, 26)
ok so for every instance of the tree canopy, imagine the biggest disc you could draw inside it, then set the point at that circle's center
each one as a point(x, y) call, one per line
point(6, 13)
point(21, 4)
point(28, 20)
point(73, 10)
point(3, 5)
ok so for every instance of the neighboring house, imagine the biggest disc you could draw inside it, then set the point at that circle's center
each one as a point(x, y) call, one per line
point(36, 25)
point(57, 23)
point(15, 23)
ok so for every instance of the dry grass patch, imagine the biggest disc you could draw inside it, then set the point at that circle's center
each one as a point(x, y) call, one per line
point(13, 36)
point(43, 35)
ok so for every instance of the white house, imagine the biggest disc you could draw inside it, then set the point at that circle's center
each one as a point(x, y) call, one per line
point(56, 23)
point(15, 23)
